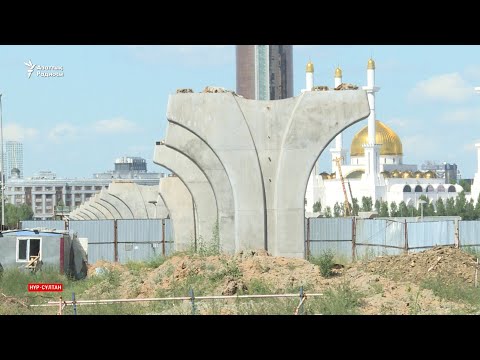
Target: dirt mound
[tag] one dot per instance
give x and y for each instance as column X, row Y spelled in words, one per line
column 444, row 262
column 388, row 285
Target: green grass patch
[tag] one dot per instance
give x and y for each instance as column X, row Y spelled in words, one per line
column 324, row 262
column 454, row 291
column 340, row 300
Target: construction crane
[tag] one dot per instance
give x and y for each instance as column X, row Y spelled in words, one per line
column 346, row 204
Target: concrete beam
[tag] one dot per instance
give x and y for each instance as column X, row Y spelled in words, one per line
column 179, row 203
column 196, row 183
column 218, row 120
column 193, row 147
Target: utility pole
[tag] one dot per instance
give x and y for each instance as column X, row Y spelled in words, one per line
column 3, row 174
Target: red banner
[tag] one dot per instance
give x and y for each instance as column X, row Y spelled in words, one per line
column 45, row 287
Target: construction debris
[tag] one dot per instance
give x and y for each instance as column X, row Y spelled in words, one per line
column 320, row 88
column 34, row 264
column 184, row 91
column 346, row 86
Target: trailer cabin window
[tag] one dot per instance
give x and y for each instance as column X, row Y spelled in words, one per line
column 26, row 248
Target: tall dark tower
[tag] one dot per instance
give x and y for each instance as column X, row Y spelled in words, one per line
column 265, row 72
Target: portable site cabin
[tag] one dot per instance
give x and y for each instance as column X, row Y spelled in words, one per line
column 54, row 248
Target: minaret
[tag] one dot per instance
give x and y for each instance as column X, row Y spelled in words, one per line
column 309, row 77
column 338, row 150
column 309, row 193
column 372, row 150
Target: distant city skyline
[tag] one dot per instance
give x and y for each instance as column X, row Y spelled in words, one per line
column 110, row 101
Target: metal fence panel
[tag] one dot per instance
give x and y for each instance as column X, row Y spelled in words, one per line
column 98, row 252
column 135, row 251
column 97, row 231
column 424, row 235
column 376, row 237
column 469, row 234
column 334, row 234
column 49, row 224
column 169, row 243
column 139, row 230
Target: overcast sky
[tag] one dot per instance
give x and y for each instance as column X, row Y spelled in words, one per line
column 111, row 101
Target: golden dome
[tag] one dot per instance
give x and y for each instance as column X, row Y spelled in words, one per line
column 310, row 66
column 371, row 64
column 391, row 144
column 338, row 72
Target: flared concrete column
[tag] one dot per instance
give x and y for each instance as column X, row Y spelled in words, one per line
column 98, row 214
column 87, row 215
column 95, row 201
column 198, row 185
column 268, row 149
column 103, row 199
column 179, row 203
column 219, row 122
column 130, row 194
column 118, row 204
column 198, row 151
column 106, row 213
column 157, row 209
column 317, row 118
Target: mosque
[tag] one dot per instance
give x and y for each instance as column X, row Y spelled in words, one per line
column 376, row 167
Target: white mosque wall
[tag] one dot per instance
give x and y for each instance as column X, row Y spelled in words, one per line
column 330, row 192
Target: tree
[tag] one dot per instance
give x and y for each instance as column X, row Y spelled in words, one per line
column 402, row 209
column 460, row 204
column 477, row 208
column 465, row 184
column 328, row 212
column 412, row 211
column 450, row 207
column 336, row 209
column 16, row 213
column 469, row 211
column 383, row 209
column 429, row 210
column 440, row 208
column 317, row 207
column 377, row 206
column 393, row 209
column 366, row 203
column 355, row 206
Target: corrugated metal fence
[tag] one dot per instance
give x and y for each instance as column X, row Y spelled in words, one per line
column 49, row 224
column 142, row 239
column 100, row 235
column 350, row 239
column 119, row 240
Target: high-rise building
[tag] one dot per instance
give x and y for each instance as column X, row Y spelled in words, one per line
column 265, row 72
column 13, row 159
